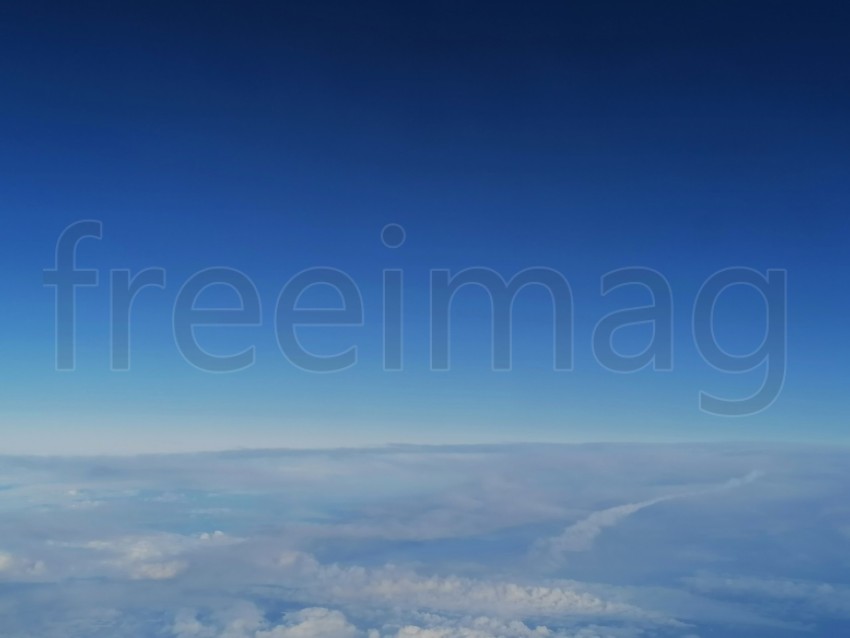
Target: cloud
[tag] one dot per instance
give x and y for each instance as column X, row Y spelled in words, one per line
column 20, row 568
column 828, row 599
column 399, row 588
column 246, row 621
column 155, row 556
column 580, row 536
column 429, row 625
column 430, row 542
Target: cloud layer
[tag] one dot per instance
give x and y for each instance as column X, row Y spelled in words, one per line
column 615, row 541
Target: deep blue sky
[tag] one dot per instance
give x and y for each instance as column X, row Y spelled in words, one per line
column 273, row 137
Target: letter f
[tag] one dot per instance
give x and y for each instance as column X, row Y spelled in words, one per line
column 66, row 278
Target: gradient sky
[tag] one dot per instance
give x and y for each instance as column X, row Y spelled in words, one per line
column 275, row 137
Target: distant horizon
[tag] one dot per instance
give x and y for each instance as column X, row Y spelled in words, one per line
column 437, row 445
column 424, row 319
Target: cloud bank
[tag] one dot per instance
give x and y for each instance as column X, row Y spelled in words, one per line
column 435, row 542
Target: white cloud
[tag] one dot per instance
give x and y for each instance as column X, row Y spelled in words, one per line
column 434, row 543
column 156, row 556
column 436, row 626
column 246, row 621
column 17, row 568
column 580, row 536
column 400, row 588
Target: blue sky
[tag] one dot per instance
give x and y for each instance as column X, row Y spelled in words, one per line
column 701, row 147
column 285, row 136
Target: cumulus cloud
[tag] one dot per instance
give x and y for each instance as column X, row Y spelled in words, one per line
column 480, row 627
column 430, row 625
column 246, row 621
column 156, row 556
column 400, row 588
